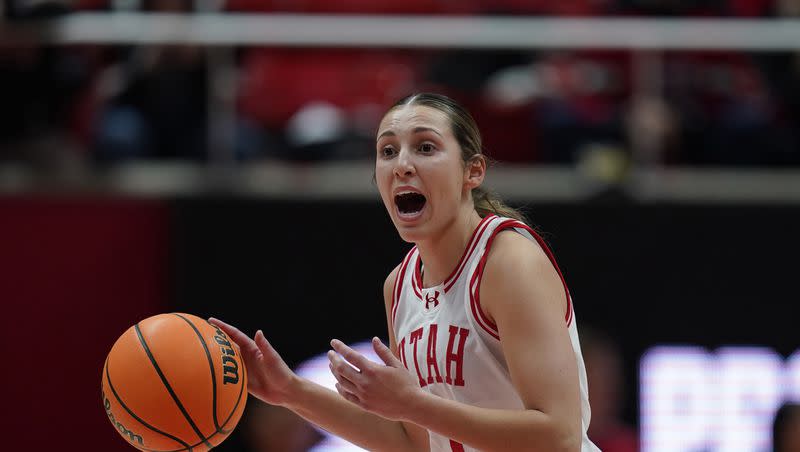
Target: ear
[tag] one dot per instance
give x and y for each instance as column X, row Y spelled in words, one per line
column 475, row 171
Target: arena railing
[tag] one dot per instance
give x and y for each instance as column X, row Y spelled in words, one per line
column 473, row 32
column 647, row 38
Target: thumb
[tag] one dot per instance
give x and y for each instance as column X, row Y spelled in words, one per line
column 385, row 354
column 264, row 346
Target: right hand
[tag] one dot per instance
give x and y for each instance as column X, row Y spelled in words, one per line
column 268, row 376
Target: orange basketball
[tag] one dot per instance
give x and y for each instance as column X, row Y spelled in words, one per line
column 174, row 382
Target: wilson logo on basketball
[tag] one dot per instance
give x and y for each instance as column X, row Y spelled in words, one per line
column 432, row 299
column 128, row 434
column 230, row 368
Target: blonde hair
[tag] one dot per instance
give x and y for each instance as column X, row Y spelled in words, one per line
column 468, row 136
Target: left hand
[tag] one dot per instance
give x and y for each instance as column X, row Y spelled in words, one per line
column 385, row 390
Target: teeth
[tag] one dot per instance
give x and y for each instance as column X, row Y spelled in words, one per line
column 407, row 193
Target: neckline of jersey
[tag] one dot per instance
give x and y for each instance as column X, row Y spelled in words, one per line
column 447, row 283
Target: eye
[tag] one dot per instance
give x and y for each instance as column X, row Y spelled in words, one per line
column 427, row 148
column 387, row 151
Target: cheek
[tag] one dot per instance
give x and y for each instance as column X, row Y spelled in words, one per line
column 448, row 185
column 383, row 179
column 453, row 176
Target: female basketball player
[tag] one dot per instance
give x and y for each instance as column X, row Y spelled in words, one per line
column 483, row 350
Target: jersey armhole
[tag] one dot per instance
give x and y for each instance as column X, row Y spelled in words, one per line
column 475, row 283
column 397, row 288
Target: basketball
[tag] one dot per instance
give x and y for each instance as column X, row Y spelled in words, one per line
column 174, row 382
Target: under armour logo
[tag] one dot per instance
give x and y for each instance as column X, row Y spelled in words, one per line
column 432, row 299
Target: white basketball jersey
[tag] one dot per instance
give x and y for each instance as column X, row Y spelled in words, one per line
column 445, row 340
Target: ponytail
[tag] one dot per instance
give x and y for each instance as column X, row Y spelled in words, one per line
column 487, row 203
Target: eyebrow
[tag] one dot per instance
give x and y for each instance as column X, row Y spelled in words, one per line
column 389, row 133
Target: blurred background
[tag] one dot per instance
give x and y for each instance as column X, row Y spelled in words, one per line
column 216, row 156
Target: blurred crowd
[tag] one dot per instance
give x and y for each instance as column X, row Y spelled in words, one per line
column 112, row 103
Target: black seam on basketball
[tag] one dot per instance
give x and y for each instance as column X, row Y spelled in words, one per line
column 239, row 400
column 161, row 450
column 211, row 367
column 140, row 420
column 190, row 447
column 167, row 385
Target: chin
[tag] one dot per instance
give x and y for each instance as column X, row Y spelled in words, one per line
column 411, row 233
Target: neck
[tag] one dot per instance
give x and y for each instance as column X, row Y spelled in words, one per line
column 441, row 253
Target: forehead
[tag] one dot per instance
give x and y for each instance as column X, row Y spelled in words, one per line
column 409, row 117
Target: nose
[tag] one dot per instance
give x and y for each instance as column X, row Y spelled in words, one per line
column 404, row 166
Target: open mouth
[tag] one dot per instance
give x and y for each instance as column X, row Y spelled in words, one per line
column 409, row 203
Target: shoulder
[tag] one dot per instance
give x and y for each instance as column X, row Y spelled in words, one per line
column 388, row 302
column 390, row 282
column 518, row 270
column 513, row 251
column 393, row 282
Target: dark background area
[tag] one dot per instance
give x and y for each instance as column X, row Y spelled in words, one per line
column 76, row 272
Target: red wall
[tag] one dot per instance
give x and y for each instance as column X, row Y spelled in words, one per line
column 74, row 274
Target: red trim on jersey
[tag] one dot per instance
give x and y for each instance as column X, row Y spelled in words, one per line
column 416, row 278
column 456, row 446
column 476, row 237
column 398, row 284
column 475, row 282
column 570, row 310
column 471, row 245
column 475, row 302
column 477, row 312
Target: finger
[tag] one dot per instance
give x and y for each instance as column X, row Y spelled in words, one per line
column 246, row 344
column 350, row 355
column 385, row 353
column 343, row 381
column 265, row 347
column 347, row 395
column 341, row 367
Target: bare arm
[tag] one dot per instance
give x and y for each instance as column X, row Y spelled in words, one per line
column 271, row 380
column 529, row 313
column 392, row 378
column 330, row 411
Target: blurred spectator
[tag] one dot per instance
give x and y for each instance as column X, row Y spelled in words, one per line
column 724, row 113
column 268, row 428
column 319, row 104
column 603, row 362
column 583, row 95
column 488, row 83
column 672, row 8
column 782, row 73
column 786, row 428
column 570, row 8
column 355, row 6
column 154, row 102
column 547, row 108
column 40, row 87
column 34, row 9
column 727, row 115
column 653, row 130
column 749, row 8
